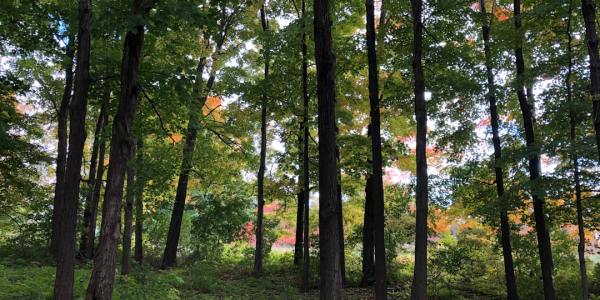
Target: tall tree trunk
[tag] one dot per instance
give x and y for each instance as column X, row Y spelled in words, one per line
column 534, row 162
column 65, row 255
column 128, row 214
column 419, row 282
column 258, row 252
column 300, row 209
column 588, row 8
column 340, row 217
column 329, row 232
column 103, row 274
column 377, row 161
column 84, row 247
column 139, row 206
column 368, row 249
column 509, row 269
column 575, row 160
column 170, row 253
column 90, row 229
column 61, row 157
column 305, row 160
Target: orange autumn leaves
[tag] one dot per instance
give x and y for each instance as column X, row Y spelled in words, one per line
column 211, row 110
column 500, row 12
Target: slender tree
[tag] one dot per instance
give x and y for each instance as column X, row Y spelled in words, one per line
column 588, row 8
column 139, row 205
column 419, row 281
column 329, row 232
column 103, row 274
column 368, row 249
column 170, row 253
column 305, row 160
column 300, row 196
column 376, row 184
column 258, row 252
column 340, row 215
column 67, row 214
column 91, row 203
column 509, row 269
column 534, row 161
column 128, row 214
column 575, row 158
column 61, row 156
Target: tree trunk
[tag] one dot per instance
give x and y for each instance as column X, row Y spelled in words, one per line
column 419, row 282
column 128, row 214
column 340, row 217
column 103, row 274
column 509, row 270
column 305, row 159
column 258, row 252
column 368, row 250
column 65, row 255
column 376, row 184
column 139, row 205
column 90, row 206
column 299, row 219
column 575, row 160
column 588, row 8
column 61, row 157
column 329, row 231
column 534, row 163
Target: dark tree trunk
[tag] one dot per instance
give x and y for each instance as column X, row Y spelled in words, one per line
column 329, row 231
column 305, row 160
column 509, row 270
column 376, row 184
column 368, row 250
column 299, row 219
column 65, row 254
column 340, row 218
column 258, row 252
column 128, row 214
column 534, row 163
column 90, row 206
column 575, row 160
column 103, row 274
column 61, row 157
column 419, row 282
column 139, row 206
column 588, row 8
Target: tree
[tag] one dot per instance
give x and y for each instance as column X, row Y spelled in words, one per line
column 376, row 181
column 509, row 269
column 67, row 212
column 103, row 274
column 588, row 9
column 419, row 281
column 128, row 213
column 534, row 161
column 139, row 205
column 258, row 251
column 330, row 269
column 305, row 159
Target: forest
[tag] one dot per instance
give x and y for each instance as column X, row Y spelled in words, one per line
column 299, row 149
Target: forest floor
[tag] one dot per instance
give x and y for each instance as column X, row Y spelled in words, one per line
column 30, row 278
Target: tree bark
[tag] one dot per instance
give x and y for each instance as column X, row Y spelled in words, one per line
column 65, row 255
column 368, row 249
column 305, row 160
column 258, row 252
column 128, row 214
column 91, row 204
column 588, row 8
column 299, row 219
column 330, row 269
column 103, row 274
column 509, row 270
column 534, row 162
column 575, row 160
column 377, row 161
column 340, row 217
column 139, row 206
column 61, row 157
column 419, row 282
